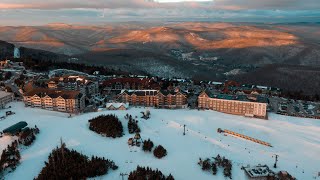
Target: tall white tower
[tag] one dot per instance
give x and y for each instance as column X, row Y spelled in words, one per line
column 16, row 52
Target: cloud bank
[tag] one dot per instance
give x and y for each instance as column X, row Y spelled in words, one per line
column 207, row 4
column 38, row 12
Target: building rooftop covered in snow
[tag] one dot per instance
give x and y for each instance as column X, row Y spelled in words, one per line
column 15, row 128
column 5, row 98
column 251, row 106
column 79, row 83
column 117, row 106
column 248, row 98
column 259, row 172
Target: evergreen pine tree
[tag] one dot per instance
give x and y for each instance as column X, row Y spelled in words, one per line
column 214, row 168
column 159, row 152
column 147, row 145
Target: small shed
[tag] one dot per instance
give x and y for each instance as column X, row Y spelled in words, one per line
column 12, row 130
column 259, row 172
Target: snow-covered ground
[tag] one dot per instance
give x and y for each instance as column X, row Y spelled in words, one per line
column 295, row 140
column 5, row 141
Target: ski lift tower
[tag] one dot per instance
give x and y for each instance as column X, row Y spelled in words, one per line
column 276, row 160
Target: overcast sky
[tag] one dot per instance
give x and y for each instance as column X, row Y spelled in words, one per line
column 39, row 12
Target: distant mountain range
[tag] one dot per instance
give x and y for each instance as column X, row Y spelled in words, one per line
column 209, row 51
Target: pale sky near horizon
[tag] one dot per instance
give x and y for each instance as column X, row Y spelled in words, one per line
column 168, row 1
column 39, row 12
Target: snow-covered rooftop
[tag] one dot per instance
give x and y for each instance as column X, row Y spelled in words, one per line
column 259, row 171
column 117, row 105
column 4, row 93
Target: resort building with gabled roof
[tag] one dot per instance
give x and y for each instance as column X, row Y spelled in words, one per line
column 56, row 100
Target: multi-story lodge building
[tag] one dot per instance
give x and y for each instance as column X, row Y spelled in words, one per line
column 75, row 83
column 252, row 106
column 56, row 100
column 127, row 83
column 5, row 98
column 118, row 84
column 154, row 98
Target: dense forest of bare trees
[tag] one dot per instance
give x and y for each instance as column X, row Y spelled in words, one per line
column 46, row 65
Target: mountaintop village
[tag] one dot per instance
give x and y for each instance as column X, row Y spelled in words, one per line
column 75, row 92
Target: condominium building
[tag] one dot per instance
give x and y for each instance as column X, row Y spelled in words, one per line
column 5, row 98
column 56, row 100
column 77, row 83
column 252, row 106
column 154, row 98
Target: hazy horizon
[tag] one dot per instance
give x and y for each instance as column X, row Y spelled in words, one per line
column 36, row 12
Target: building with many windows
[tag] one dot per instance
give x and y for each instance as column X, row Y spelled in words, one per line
column 252, row 106
column 5, row 98
column 56, row 100
column 75, row 83
column 154, row 98
column 127, row 83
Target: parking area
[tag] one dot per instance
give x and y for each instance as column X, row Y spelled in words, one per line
column 296, row 108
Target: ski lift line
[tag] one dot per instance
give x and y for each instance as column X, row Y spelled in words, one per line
column 219, row 146
column 270, row 154
column 234, row 143
column 201, row 135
